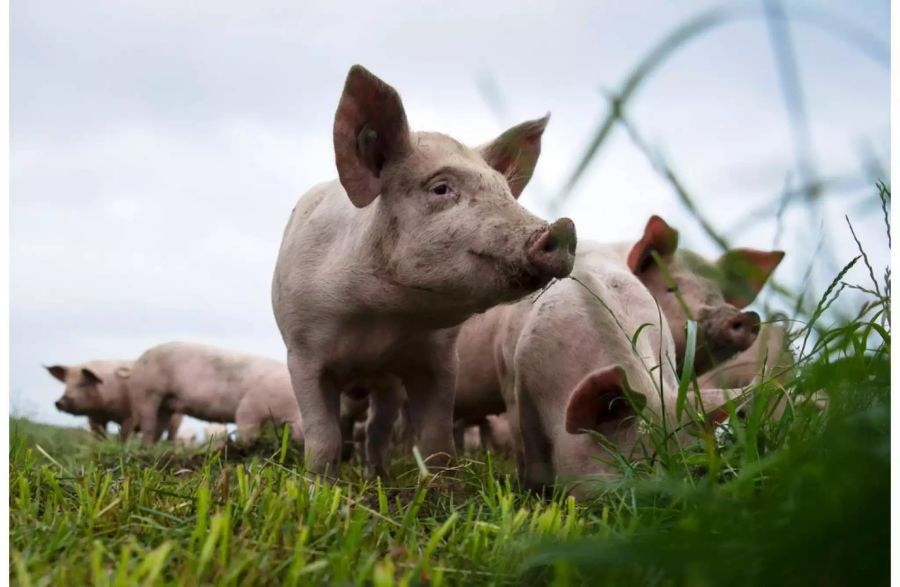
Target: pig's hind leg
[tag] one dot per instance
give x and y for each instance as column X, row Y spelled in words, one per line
column 384, row 406
column 430, row 391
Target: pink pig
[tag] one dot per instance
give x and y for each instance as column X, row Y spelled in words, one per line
column 378, row 268
column 213, row 384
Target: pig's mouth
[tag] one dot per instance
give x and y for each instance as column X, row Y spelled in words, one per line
column 516, row 277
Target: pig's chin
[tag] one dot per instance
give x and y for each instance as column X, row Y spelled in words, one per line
column 513, row 280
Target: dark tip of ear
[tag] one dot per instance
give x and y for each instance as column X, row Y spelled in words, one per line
column 357, row 69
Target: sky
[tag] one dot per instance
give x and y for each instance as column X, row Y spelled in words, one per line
column 157, row 148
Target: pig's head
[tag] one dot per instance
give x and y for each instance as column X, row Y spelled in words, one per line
column 446, row 219
column 713, row 293
column 82, row 394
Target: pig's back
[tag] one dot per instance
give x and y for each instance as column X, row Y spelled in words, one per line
column 204, row 381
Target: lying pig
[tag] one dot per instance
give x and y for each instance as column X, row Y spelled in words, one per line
column 99, row 390
column 212, row 384
column 578, row 370
column 712, row 293
column 378, row 268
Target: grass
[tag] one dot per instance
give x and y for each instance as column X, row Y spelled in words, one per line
column 797, row 500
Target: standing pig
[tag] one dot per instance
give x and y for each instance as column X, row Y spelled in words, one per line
column 99, row 390
column 212, row 384
column 377, row 269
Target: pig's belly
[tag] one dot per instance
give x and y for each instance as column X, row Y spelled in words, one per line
column 209, row 406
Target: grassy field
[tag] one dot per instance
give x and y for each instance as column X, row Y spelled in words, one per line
column 800, row 500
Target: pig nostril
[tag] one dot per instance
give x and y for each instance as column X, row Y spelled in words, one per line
column 549, row 245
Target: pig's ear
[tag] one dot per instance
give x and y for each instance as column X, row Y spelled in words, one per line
column 744, row 272
column 659, row 237
column 57, row 371
column 90, row 377
column 123, row 372
column 515, row 152
column 600, row 398
column 370, row 129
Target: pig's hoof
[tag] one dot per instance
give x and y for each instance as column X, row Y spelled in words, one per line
column 374, row 472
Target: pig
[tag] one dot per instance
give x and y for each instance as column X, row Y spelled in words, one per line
column 577, row 369
column 687, row 286
column 213, row 384
column 99, row 390
column 769, row 357
column 713, row 293
column 378, row 268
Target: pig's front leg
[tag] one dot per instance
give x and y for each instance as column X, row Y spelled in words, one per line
column 126, row 428
column 98, row 427
column 320, row 413
column 430, row 390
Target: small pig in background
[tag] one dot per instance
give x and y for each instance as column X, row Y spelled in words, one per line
column 377, row 269
column 213, row 384
column 712, row 293
column 99, row 390
column 216, row 435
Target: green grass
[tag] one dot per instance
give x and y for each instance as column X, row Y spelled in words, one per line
column 801, row 500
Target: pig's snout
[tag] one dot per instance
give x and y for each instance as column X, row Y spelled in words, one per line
column 60, row 404
column 742, row 329
column 552, row 252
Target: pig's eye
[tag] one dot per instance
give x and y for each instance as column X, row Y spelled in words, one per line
column 672, row 289
column 441, row 189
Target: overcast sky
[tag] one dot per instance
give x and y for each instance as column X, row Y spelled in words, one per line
column 157, row 148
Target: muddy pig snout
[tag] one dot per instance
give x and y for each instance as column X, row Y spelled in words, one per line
column 60, row 404
column 552, row 252
column 742, row 329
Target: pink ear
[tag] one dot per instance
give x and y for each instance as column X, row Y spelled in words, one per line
column 600, row 398
column 57, row 371
column 745, row 272
column 659, row 237
column 515, row 152
column 370, row 129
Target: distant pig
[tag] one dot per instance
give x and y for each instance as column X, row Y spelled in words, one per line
column 713, row 293
column 212, row 384
column 99, row 390
column 378, row 268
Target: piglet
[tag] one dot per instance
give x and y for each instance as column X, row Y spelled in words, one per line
column 378, row 268
column 99, row 390
column 713, row 293
column 213, row 384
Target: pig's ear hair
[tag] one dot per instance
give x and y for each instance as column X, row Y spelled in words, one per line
column 370, row 129
column 601, row 397
column 123, row 372
column 515, row 153
column 57, row 371
column 90, row 377
column 659, row 237
column 744, row 272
